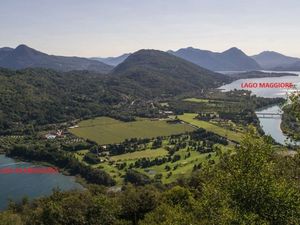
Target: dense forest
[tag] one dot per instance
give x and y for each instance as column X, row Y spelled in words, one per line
column 253, row 185
column 39, row 97
column 291, row 118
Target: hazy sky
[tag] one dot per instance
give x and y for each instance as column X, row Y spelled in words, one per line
column 113, row 27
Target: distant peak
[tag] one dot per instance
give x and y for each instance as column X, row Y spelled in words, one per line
column 147, row 51
column 22, row 46
column 189, row 49
column 270, row 53
column 24, row 49
column 234, row 50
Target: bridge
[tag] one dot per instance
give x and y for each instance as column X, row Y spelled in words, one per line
column 268, row 115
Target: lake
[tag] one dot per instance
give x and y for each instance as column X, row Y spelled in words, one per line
column 15, row 186
column 270, row 126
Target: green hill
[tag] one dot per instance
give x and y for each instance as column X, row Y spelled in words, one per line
column 159, row 73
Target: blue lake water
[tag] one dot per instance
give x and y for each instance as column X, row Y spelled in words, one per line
column 16, row 186
column 270, row 126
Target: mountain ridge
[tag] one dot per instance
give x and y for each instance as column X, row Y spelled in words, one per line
column 232, row 59
column 274, row 60
column 161, row 73
column 25, row 57
column 113, row 61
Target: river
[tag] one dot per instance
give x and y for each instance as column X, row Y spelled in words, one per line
column 271, row 126
column 16, row 186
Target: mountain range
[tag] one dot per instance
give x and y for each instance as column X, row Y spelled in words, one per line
column 275, row 61
column 26, row 57
column 113, row 61
column 160, row 73
column 232, row 59
column 43, row 96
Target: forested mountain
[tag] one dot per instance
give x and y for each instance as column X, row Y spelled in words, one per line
column 160, row 73
column 231, row 60
column 25, row 57
column 272, row 60
column 42, row 96
column 4, row 52
column 113, row 61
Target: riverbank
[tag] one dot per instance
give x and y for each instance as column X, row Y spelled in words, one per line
column 260, row 74
column 78, row 179
column 272, row 126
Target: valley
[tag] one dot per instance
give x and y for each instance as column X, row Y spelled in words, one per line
column 149, row 112
column 155, row 120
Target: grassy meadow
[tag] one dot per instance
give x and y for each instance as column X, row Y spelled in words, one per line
column 197, row 100
column 105, row 130
column 148, row 153
column 231, row 135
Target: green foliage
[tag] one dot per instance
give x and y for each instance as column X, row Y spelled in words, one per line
column 251, row 185
column 40, row 97
column 291, row 117
column 136, row 178
column 179, row 196
column 169, row 215
column 91, row 158
column 102, row 211
column 136, row 202
column 61, row 159
column 158, row 73
column 10, row 218
column 247, row 186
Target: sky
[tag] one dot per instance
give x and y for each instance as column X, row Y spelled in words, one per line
column 113, row 27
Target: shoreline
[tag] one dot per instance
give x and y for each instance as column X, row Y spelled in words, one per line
column 77, row 178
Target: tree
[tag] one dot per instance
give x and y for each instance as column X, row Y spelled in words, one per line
column 136, row 202
column 136, row 178
column 10, row 218
column 169, row 215
column 103, row 211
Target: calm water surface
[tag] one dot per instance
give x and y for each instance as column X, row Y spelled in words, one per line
column 270, row 126
column 15, row 186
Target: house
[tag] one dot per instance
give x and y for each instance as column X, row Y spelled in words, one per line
column 50, row 136
column 168, row 112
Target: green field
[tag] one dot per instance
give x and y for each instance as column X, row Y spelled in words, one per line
column 231, row 135
column 198, row 100
column 105, row 130
column 148, row 153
